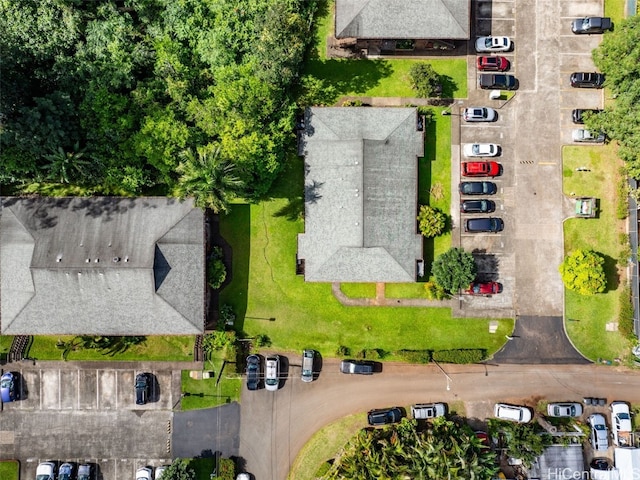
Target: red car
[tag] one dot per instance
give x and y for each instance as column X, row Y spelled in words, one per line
column 480, row 169
column 493, row 64
column 484, row 288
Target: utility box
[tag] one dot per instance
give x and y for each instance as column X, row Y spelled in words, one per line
column 495, row 94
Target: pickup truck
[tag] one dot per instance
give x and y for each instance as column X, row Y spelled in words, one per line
column 489, row 81
column 589, row 25
column 621, row 424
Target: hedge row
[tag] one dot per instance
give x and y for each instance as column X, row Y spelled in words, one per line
column 473, row 355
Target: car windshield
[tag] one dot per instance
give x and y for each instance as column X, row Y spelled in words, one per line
column 623, row 416
column 585, row 23
column 599, row 427
column 6, row 383
column 42, row 477
column 488, row 41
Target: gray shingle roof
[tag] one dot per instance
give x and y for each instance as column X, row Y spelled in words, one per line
column 559, row 462
column 101, row 266
column 397, row 19
column 360, row 194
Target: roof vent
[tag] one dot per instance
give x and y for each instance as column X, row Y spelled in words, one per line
column 126, row 259
column 87, row 260
column 116, row 259
column 96, row 260
column 59, row 258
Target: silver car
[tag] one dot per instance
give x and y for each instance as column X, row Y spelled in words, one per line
column 564, row 409
column 479, row 114
column 272, row 373
column 481, row 150
column 493, row 44
column 599, row 435
column 513, row 413
column 587, row 136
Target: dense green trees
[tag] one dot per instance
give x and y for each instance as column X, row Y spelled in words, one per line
column 108, row 94
column 618, row 57
column 431, row 221
column 454, row 269
column 583, row 272
column 444, row 449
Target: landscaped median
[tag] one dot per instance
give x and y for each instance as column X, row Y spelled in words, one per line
column 9, row 470
column 596, row 172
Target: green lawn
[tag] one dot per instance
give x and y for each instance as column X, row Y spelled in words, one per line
column 204, row 393
column 9, row 470
column 359, row 290
column 586, row 316
column 325, row 445
column 306, row 315
column 154, row 348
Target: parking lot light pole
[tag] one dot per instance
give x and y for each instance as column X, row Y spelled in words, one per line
column 449, row 379
column 447, row 111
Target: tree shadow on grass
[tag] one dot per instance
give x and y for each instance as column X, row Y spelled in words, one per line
column 611, row 272
column 449, row 87
column 348, row 76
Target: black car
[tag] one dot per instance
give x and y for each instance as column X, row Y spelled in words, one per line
column 142, row 388
column 578, row 114
column 253, row 372
column 587, row 80
column 500, row 81
column 601, row 464
column 358, row 367
column 478, row 188
column 486, row 224
column 477, row 206
column 590, row 25
column 384, row 416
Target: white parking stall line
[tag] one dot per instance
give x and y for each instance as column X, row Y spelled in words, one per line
column 40, row 377
column 78, row 395
column 59, row 390
column 97, row 389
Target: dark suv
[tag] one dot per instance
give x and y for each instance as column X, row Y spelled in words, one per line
column 587, row 80
column 142, row 388
column 253, row 372
column 487, row 224
column 384, row 416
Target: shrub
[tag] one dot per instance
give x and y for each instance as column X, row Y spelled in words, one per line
column 216, row 271
column 625, row 317
column 352, row 103
column 583, row 272
column 622, row 205
column 263, row 340
column 343, row 351
column 371, row 353
column 226, row 469
column 424, row 80
column 435, row 291
column 431, row 221
column 472, row 355
column 428, row 114
column 227, row 316
column 415, row 356
column 625, row 251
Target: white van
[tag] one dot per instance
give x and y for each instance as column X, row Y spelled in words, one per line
column 513, row 413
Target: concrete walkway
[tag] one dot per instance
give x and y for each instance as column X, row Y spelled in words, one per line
column 381, row 300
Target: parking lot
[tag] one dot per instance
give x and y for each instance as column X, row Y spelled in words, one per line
column 88, row 416
column 532, row 127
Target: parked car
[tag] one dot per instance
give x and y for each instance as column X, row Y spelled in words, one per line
column 243, row 476
column 85, row 472
column 587, row 80
column 160, row 471
column 591, row 25
column 514, row 413
column 577, row 115
column 272, row 373
column 477, row 206
column 477, row 188
column 8, row 387
column 358, row 367
column 564, row 409
column 479, row 114
column 601, row 464
column 425, row 411
column 493, row 44
column 45, row 471
column 490, row 81
column 583, row 135
column 308, row 357
column 480, row 169
column 485, row 224
column 599, row 436
column 142, row 388
column 484, row 288
column 65, row 472
column 492, row 64
column 481, row 149
column 144, row 473
column 621, row 424
column 253, row 372
column 384, row 416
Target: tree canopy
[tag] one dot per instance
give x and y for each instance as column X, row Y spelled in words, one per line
column 108, row 94
column 618, row 57
column 583, row 271
column 444, row 449
column 431, row 221
column 454, row 269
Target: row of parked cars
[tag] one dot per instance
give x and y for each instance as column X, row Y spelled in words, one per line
column 421, row 411
column 66, row 471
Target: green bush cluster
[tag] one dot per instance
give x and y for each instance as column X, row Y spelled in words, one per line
column 415, row 356
column 460, row 355
column 434, row 291
column 352, row 103
column 371, row 353
column 622, row 205
column 625, row 317
column 343, row 351
column 226, row 469
column 216, row 271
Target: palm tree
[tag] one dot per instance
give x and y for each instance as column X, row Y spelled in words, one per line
column 208, row 179
column 65, row 167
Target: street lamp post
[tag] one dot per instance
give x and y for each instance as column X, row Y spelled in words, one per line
column 449, row 379
column 447, row 111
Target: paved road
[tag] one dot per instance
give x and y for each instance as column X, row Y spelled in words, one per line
column 274, row 426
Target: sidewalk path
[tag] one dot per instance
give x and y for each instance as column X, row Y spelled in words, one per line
column 382, row 301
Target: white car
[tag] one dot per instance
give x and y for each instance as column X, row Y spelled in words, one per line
column 481, row 149
column 272, row 373
column 621, row 424
column 564, row 409
column 493, row 44
column 45, row 471
column 587, row 136
column 144, row 473
column 599, row 435
column 159, row 471
column 243, row 476
column 479, row 114
column 513, row 413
